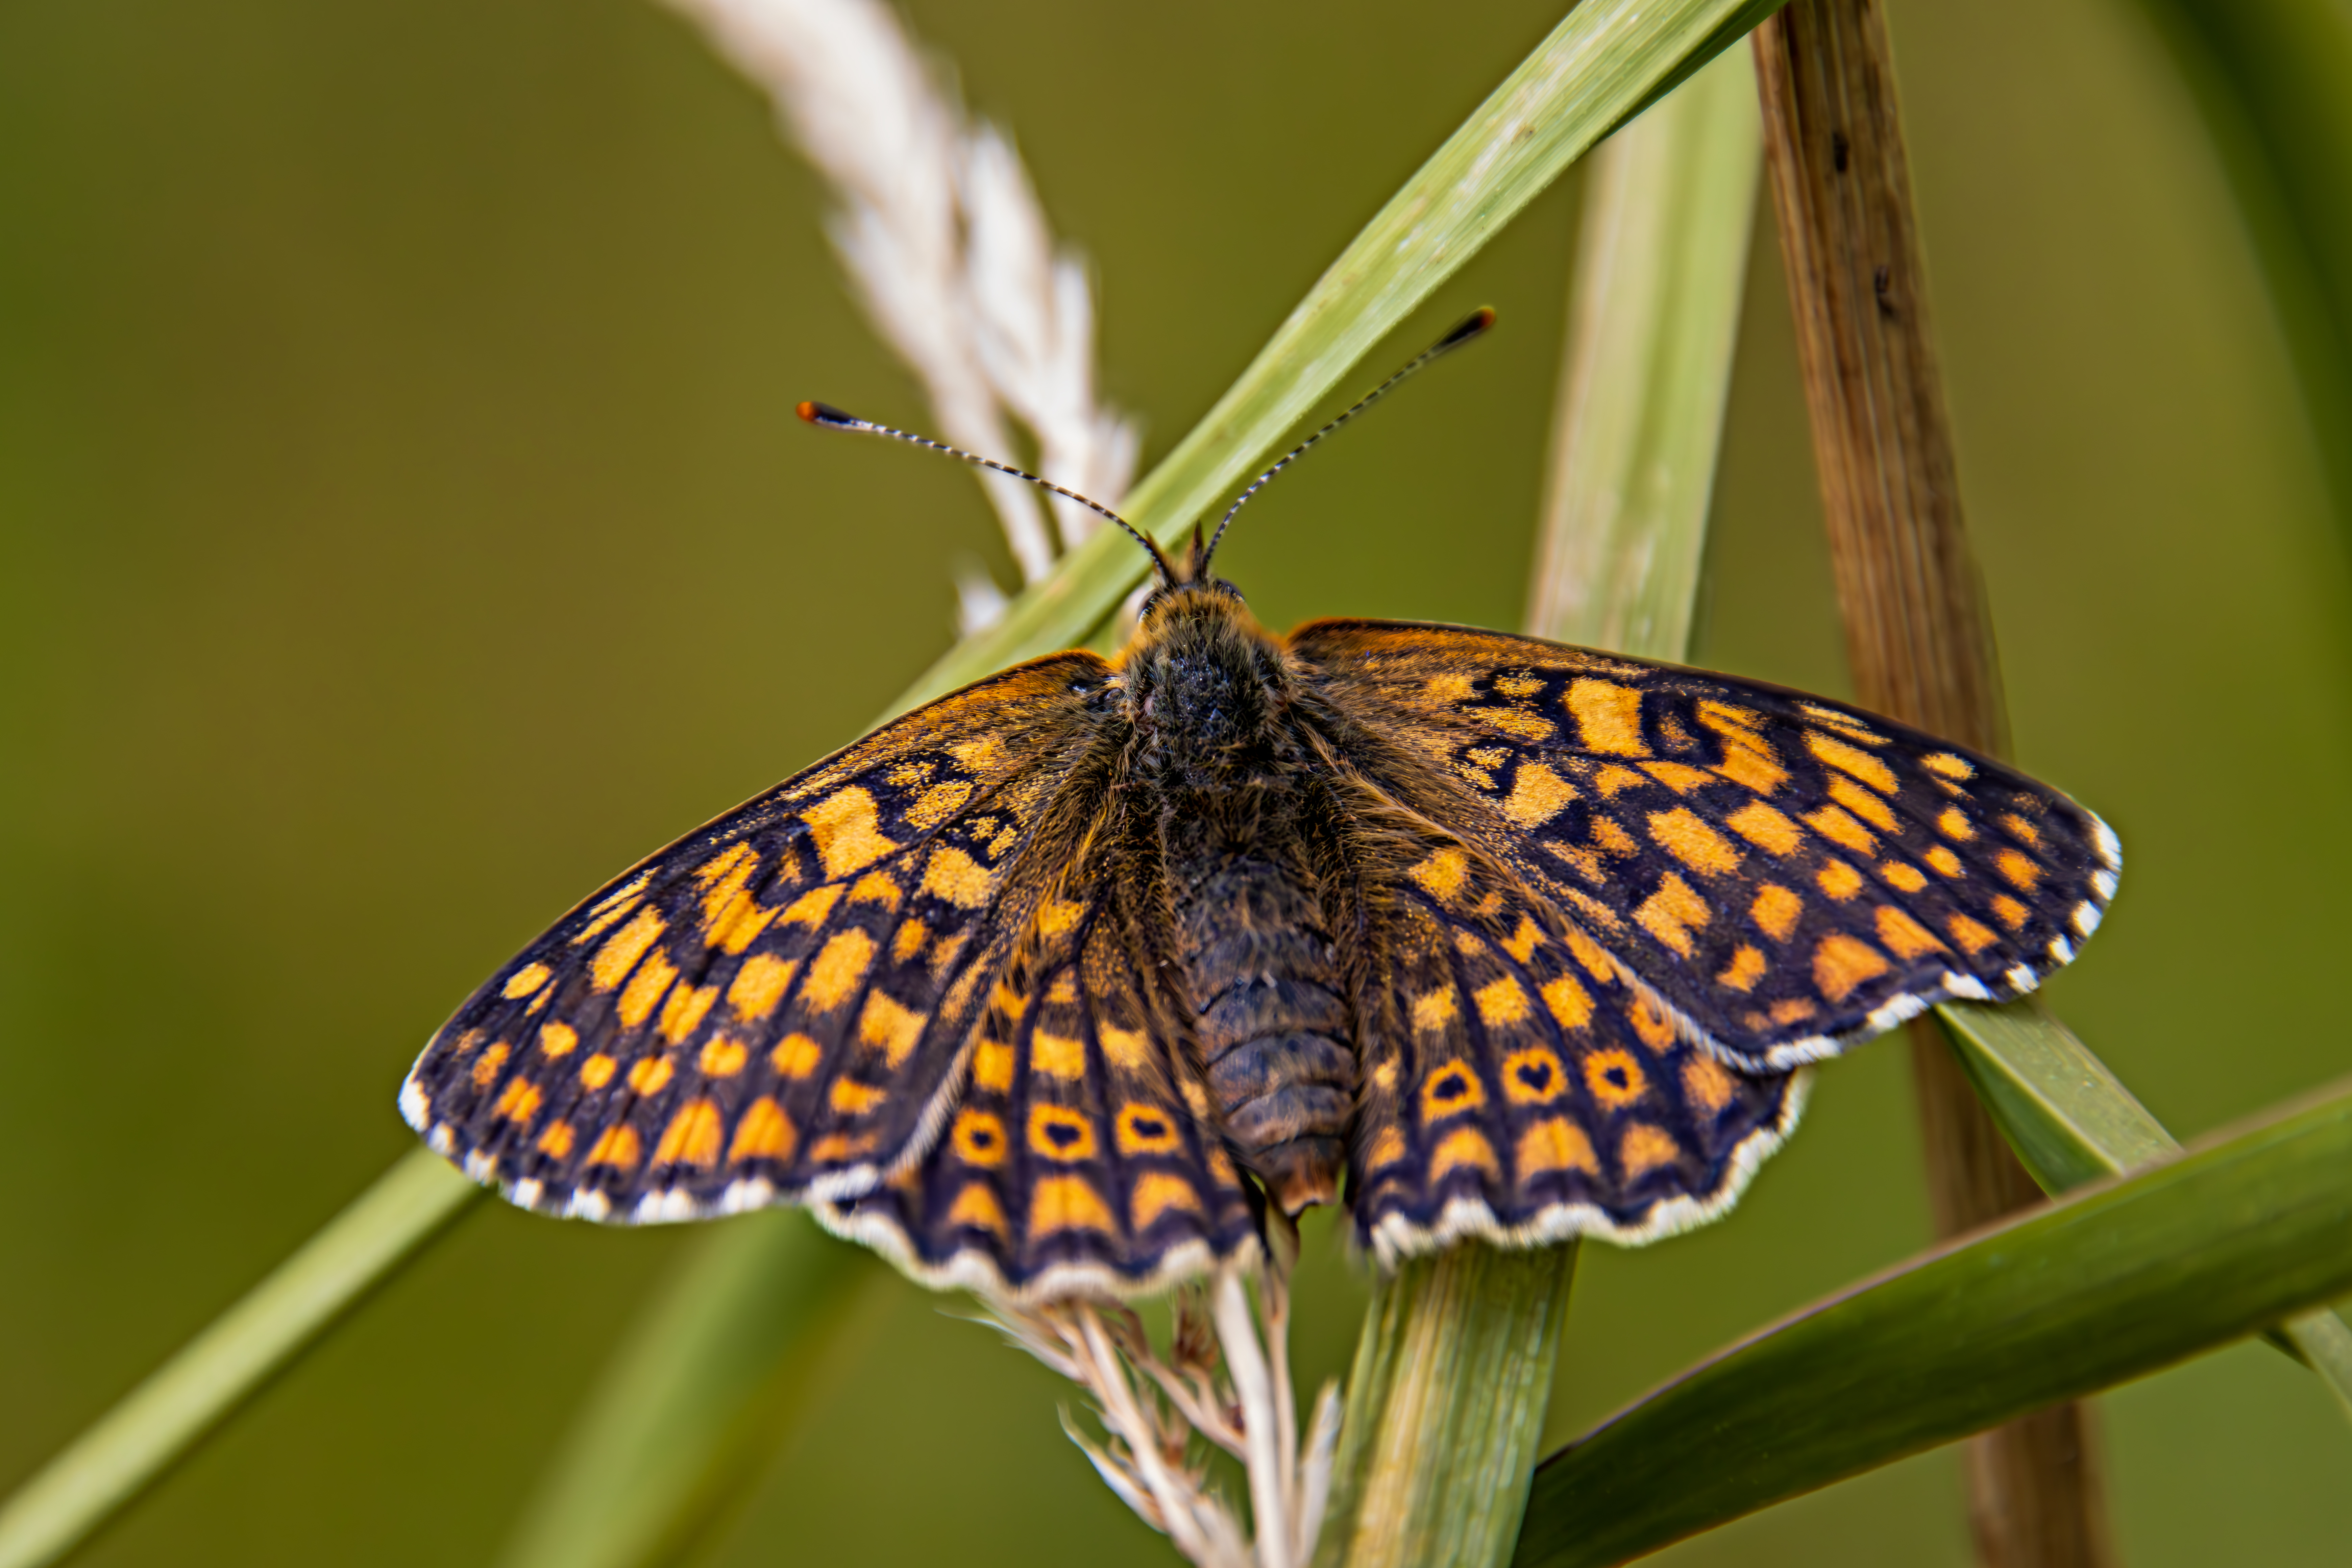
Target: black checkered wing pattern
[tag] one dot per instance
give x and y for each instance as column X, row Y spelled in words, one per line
column 1785, row 875
column 780, row 1005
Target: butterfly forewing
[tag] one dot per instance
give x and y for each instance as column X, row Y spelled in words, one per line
column 1786, row 874
column 1082, row 1154
column 777, row 1005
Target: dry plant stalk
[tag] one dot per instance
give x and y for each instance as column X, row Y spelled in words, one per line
column 949, row 251
column 1225, row 1378
column 1918, row 638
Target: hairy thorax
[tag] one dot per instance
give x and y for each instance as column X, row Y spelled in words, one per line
column 1244, row 828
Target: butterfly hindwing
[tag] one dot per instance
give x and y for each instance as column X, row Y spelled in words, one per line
column 1788, row 874
column 1083, row 1153
column 1517, row 1085
column 777, row 1005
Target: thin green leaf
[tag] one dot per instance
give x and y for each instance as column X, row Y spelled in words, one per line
column 1454, row 1366
column 696, row 1395
column 2071, row 1122
column 2109, row 1285
column 218, row 1370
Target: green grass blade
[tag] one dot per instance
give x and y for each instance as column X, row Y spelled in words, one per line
column 1600, row 65
column 218, row 1370
column 2071, row 1122
column 696, row 1397
column 2106, row 1285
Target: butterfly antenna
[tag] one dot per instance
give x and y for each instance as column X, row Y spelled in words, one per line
column 827, row 416
column 1474, row 326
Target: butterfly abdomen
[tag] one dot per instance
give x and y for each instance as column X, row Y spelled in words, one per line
column 1236, row 802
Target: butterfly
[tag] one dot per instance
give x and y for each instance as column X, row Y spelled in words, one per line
column 1057, row 984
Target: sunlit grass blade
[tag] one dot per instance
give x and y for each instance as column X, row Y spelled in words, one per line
column 215, row 1372
column 2071, row 1122
column 1453, row 1367
column 2106, row 1285
column 695, row 1396
column 1605, row 61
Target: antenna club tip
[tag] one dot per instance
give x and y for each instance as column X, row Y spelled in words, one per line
column 825, row 413
column 1477, row 321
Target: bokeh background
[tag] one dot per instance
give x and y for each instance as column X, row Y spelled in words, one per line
column 403, row 525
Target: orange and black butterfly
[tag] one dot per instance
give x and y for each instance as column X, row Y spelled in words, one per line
column 1052, row 985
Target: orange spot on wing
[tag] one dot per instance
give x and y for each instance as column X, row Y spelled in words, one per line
column 2024, row 831
column 644, row 989
column 1142, row 1129
column 597, row 1071
column 1524, row 941
column 1775, row 911
column 936, row 804
column 1679, row 777
column 520, row 1103
column 1450, row 1091
column 834, row 976
column 812, row 906
column 796, row 1056
column 1569, row 1003
column 1157, row 1193
column 956, row 878
column 991, row 1067
column 1128, row 1050
column 1861, row 802
column 875, row 888
column 1537, row 794
column 1953, row 826
column 1835, row 824
column 1644, row 1147
column 764, row 1134
column 1614, row 1078
column 1066, row 1203
column 894, row 1028
column 1706, row 1085
column 978, row 1139
column 1848, row 759
column 692, row 1137
column 623, row 949
column 616, row 1147
column 650, row 1075
column 683, row 1012
column 1944, row 861
column 1974, row 936
column 1443, row 874
column 845, row 825
column 1608, row 717
column 1907, row 878
column 2012, row 913
column 1838, row 879
column 1651, row 1023
column 1057, row 1133
column 558, row 1040
column 526, row 980
column 1464, row 1146
column 1614, row 781
column 1841, row 962
column 1556, row 1144
column 556, row 1142
column 1690, row 840
column 758, row 985
column 1905, row 937
column 1503, row 1001
column 1950, row 766
column 1592, row 955
column 1765, row 828
column 723, row 1058
column 976, row 1209
column 2017, row 870
column 487, row 1066
column 1387, row 1149
column 1433, row 1011
column 854, row 1099
column 1746, row 968
column 1672, row 912
column 1533, row 1077
column 1057, row 1056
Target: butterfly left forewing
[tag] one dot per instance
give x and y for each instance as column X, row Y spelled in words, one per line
column 775, row 1005
column 1082, row 1155
column 1787, row 874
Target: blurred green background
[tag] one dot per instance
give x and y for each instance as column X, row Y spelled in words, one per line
column 404, row 526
